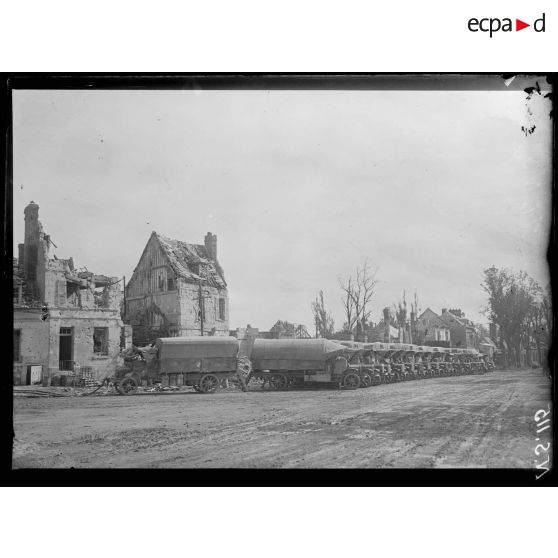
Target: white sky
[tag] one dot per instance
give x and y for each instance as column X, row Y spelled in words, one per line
column 299, row 186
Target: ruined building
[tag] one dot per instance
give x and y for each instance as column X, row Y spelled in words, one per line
column 177, row 289
column 66, row 321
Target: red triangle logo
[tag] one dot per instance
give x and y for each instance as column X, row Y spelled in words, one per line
column 519, row 25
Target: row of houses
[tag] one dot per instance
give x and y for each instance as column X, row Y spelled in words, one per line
column 70, row 320
column 450, row 328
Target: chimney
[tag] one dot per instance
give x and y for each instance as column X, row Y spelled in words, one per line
column 31, row 213
column 444, row 310
column 211, row 245
column 32, row 240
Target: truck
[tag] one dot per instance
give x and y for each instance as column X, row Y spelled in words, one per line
column 297, row 362
column 200, row 362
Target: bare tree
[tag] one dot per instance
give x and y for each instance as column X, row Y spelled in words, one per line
column 358, row 292
column 415, row 312
column 322, row 318
column 400, row 313
column 348, row 304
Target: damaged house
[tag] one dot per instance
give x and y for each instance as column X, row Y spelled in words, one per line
column 177, row 289
column 66, row 321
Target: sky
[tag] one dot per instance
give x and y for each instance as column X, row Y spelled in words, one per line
column 300, row 187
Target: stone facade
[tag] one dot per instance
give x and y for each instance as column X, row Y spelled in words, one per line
column 66, row 321
column 177, row 289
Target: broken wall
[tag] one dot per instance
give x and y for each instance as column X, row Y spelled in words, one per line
column 40, row 341
column 83, row 324
column 34, row 342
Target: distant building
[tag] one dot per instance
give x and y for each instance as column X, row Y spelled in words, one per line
column 177, row 289
column 487, row 347
column 432, row 330
column 287, row 330
column 284, row 330
column 65, row 320
column 462, row 330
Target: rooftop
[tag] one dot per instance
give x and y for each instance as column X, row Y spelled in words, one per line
column 191, row 261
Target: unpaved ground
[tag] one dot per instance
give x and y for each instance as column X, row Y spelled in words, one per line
column 469, row 421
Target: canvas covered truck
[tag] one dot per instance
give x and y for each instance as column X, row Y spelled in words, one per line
column 200, row 362
column 204, row 362
column 297, row 362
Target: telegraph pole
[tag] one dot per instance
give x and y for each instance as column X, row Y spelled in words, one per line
column 200, row 296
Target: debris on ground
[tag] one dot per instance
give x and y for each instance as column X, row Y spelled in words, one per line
column 99, row 390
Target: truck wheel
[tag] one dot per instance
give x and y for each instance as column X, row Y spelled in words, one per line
column 127, row 386
column 209, row 383
column 365, row 380
column 351, row 381
column 278, row 382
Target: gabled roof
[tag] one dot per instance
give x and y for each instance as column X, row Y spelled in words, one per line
column 460, row 321
column 436, row 319
column 185, row 260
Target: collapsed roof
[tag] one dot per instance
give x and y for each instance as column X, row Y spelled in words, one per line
column 191, row 262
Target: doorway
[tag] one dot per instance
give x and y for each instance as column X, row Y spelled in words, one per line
column 66, row 349
column 34, row 374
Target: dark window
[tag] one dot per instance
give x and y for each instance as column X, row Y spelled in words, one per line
column 100, row 340
column 221, row 308
column 170, row 284
column 161, row 284
column 17, row 345
column 65, row 331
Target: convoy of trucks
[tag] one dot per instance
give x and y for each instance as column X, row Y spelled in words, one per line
column 205, row 363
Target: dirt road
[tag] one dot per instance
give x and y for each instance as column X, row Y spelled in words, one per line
column 468, row 421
